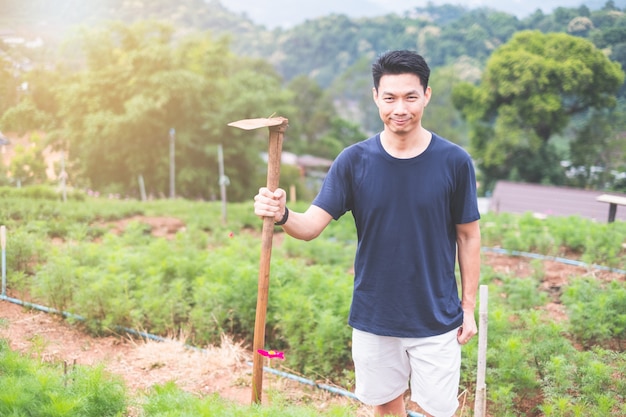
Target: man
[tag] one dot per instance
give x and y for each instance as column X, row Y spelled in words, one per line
column 413, row 198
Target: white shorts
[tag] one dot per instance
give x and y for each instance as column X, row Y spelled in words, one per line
column 384, row 366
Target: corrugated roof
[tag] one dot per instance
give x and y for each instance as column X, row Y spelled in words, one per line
column 512, row 197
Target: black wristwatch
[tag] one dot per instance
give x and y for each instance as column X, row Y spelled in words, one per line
column 284, row 219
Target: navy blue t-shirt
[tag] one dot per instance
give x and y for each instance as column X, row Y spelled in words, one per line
column 405, row 212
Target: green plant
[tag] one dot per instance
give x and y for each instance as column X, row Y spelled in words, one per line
column 583, row 383
column 169, row 401
column 202, row 281
column 29, row 388
column 597, row 311
column 523, row 293
column 309, row 317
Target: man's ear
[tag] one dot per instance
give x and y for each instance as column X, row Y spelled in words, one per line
column 427, row 95
column 375, row 95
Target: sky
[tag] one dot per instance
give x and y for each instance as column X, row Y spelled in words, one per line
column 287, row 13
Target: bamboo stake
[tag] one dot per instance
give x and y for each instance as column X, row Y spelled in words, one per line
column 3, row 243
column 277, row 127
column 480, row 401
column 223, row 181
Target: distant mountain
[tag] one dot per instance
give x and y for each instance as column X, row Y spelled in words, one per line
column 288, row 13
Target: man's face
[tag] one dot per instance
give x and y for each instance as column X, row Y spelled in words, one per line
column 401, row 100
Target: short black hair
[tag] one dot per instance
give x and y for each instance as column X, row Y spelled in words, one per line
column 400, row 62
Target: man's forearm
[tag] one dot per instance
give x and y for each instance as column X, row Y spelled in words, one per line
column 307, row 225
column 468, row 245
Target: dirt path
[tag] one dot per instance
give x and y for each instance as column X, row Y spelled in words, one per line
column 224, row 370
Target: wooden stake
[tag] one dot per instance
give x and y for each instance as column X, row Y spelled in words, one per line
column 480, row 400
column 292, row 194
column 223, row 181
column 3, row 244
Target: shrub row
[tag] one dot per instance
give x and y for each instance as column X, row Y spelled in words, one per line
column 204, row 281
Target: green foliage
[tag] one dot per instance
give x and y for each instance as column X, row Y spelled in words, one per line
column 170, row 401
column 111, row 94
column 583, row 383
column 529, row 358
column 441, row 117
column 328, row 251
column 313, row 108
column 597, row 311
column 224, row 298
column 139, row 82
column 134, row 91
column 592, row 242
column 202, row 281
column 118, row 89
column 39, row 192
column 309, row 316
column 606, row 150
column 27, row 165
column 32, row 388
column 25, row 250
column 28, row 388
column 22, row 118
column 523, row 293
column 529, row 90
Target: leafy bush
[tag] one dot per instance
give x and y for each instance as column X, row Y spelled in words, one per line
column 309, row 317
column 25, row 250
column 523, row 293
column 592, row 242
column 584, row 383
column 28, row 388
column 597, row 312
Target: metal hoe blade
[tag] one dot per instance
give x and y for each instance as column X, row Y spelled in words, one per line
column 251, row 124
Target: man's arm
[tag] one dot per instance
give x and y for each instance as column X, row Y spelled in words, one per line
column 303, row 226
column 468, row 244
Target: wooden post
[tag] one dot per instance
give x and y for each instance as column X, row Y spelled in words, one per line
column 63, row 178
column 223, row 180
column 292, row 194
column 3, row 244
column 172, row 163
column 480, row 401
column 142, row 187
column 612, row 212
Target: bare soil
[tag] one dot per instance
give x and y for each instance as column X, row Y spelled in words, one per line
column 224, row 370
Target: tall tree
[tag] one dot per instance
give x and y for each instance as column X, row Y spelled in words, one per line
column 9, row 81
column 312, row 113
column 116, row 114
column 531, row 87
column 27, row 165
column 597, row 153
column 441, row 116
column 132, row 85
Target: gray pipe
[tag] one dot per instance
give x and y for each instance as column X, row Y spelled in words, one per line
column 552, row 258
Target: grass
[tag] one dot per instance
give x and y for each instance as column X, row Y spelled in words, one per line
column 32, row 387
